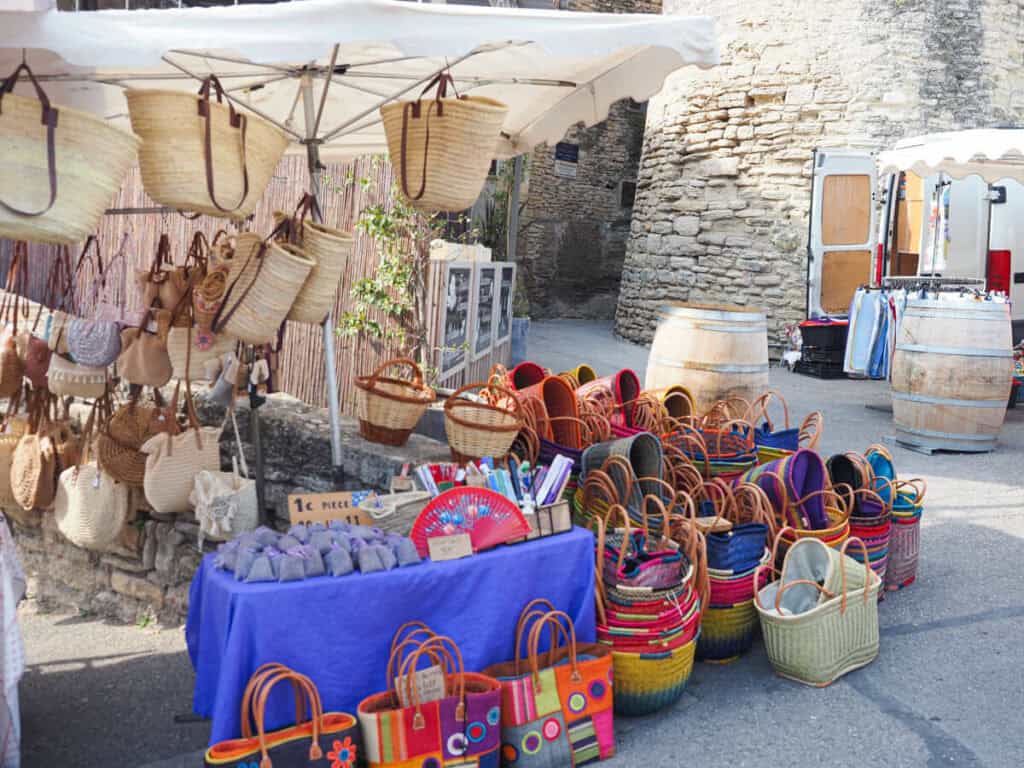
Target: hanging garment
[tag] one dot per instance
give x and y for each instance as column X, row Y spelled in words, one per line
column 12, row 667
column 863, row 330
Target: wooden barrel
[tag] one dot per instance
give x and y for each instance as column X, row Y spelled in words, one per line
column 951, row 374
column 713, row 351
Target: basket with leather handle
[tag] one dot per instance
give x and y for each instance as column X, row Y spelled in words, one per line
column 265, row 278
column 37, row 351
column 12, row 430
column 329, row 249
column 34, row 463
column 56, row 180
column 163, row 285
column 442, row 147
column 122, row 435
column 12, row 367
column 200, row 154
column 94, row 342
column 90, row 507
column 480, row 427
column 389, row 408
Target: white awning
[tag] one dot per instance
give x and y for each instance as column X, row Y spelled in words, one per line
column 991, row 153
column 553, row 68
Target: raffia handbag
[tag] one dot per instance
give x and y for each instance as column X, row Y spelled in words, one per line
column 122, row 434
column 69, row 379
column 12, row 367
column 162, row 284
column 389, row 409
column 188, row 360
column 442, row 148
column 55, row 190
column 34, row 463
column 329, row 249
column 225, row 502
column 144, row 359
column 201, row 155
column 264, row 281
column 173, row 461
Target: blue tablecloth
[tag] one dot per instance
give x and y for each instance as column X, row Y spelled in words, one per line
column 338, row 630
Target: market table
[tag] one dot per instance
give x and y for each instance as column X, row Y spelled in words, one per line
column 339, row 630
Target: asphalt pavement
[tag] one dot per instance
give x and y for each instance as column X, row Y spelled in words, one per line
column 946, row 690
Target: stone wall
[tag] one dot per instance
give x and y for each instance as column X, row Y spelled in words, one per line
column 146, row 575
column 724, row 183
column 573, row 232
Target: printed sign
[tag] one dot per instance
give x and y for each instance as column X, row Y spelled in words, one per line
column 323, row 507
column 458, row 282
column 567, row 158
column 450, row 547
column 483, row 309
column 503, row 305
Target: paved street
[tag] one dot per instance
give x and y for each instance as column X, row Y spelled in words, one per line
column 947, row 690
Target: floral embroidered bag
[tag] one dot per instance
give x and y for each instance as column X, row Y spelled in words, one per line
column 318, row 739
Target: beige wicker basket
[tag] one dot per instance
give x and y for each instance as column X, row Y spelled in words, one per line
column 330, row 249
column 388, row 409
column 191, row 364
column 477, row 429
column 442, row 148
column 262, row 288
column 90, row 157
column 173, row 155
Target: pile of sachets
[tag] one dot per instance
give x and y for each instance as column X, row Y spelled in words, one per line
column 315, row 549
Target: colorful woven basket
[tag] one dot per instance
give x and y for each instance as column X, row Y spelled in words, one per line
column 649, row 682
column 727, row 633
column 905, row 541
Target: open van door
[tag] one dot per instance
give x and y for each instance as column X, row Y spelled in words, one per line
column 842, row 229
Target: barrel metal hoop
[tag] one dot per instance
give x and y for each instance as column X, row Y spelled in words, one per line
column 960, row 351
column 928, row 399
column 711, row 326
column 946, row 435
column 710, row 367
column 933, row 315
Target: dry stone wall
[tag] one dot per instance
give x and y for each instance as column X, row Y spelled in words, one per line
column 724, row 184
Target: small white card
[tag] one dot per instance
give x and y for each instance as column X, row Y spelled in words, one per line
column 429, row 684
column 450, row 547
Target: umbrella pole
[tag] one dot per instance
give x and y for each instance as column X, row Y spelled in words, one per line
column 315, row 179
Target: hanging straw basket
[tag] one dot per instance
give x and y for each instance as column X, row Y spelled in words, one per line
column 329, row 249
column 389, row 409
column 180, row 145
column 191, row 363
column 478, row 428
column 442, row 148
column 89, row 161
column 264, row 281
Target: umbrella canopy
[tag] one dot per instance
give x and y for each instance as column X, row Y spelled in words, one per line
column 552, row 68
column 991, row 153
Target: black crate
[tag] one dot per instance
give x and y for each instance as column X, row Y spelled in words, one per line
column 828, row 336
column 819, row 370
column 827, row 355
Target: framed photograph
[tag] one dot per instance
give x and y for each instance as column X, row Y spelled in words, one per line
column 485, row 279
column 503, row 305
column 456, row 318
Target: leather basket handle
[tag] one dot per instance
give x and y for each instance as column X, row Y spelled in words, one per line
column 236, row 120
column 49, row 119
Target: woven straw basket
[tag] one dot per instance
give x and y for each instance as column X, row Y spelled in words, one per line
column 91, row 507
column 478, row 429
column 838, row 635
column 647, row 682
column 91, row 160
column 329, row 249
column 172, row 157
column 261, row 296
column 172, row 463
column 69, row 379
column 727, row 633
column 452, row 166
column 8, row 444
column 388, row 409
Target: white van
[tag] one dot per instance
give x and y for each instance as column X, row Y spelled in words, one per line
column 931, row 226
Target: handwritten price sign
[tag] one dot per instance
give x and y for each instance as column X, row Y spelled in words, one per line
column 324, row 507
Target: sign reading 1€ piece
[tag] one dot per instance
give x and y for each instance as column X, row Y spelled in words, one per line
column 324, row 507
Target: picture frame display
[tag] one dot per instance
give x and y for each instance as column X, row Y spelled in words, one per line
column 456, row 322
column 484, row 296
column 506, row 286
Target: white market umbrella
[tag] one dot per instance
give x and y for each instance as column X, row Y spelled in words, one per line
column 320, row 69
column 991, row 153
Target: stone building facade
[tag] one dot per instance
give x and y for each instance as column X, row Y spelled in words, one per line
column 573, row 231
column 723, row 193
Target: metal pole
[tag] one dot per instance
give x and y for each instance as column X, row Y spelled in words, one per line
column 512, row 239
column 315, row 180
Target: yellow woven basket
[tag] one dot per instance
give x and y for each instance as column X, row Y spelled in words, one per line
column 173, row 154
column 446, row 171
column 91, row 159
column 648, row 682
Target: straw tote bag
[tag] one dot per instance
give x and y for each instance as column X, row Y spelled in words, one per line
column 12, row 367
column 122, row 434
column 91, row 507
column 225, row 502
column 265, row 279
column 329, row 249
column 442, row 148
column 34, row 463
column 57, row 175
column 173, row 461
column 201, row 155
column 94, row 343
